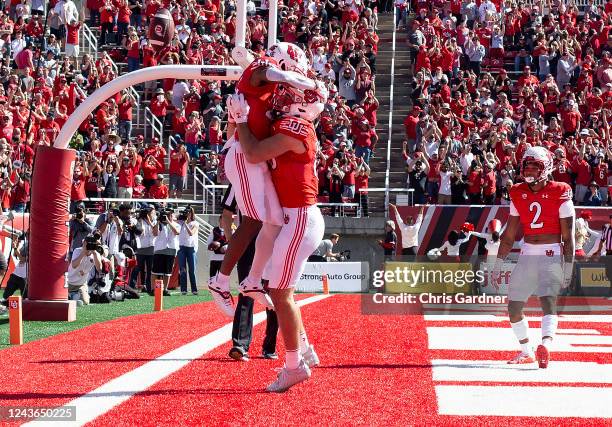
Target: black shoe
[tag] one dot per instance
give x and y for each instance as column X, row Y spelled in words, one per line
column 166, row 293
column 194, row 293
column 270, row 356
column 239, row 353
column 151, row 293
column 183, row 292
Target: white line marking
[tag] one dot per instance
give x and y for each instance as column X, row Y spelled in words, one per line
column 583, row 402
column 500, row 371
column 101, row 400
column 595, row 318
column 502, row 339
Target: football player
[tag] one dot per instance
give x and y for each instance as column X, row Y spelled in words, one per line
column 545, row 210
column 292, row 151
column 255, row 195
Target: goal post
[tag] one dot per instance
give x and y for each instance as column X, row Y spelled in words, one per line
column 51, row 187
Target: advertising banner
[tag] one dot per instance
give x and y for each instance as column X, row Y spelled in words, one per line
column 341, row 276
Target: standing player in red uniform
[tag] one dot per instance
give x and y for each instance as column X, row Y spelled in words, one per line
column 255, row 195
column 546, row 212
column 292, row 149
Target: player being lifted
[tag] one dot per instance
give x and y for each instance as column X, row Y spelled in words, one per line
column 254, row 192
column 546, row 212
column 292, row 152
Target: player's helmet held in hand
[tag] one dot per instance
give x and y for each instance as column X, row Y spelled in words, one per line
column 542, row 158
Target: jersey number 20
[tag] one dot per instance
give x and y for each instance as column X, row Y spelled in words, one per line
column 538, row 211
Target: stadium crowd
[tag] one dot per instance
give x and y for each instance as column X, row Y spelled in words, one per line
column 45, row 77
column 493, row 78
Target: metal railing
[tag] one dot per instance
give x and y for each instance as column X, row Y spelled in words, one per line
column 408, row 193
column 390, row 124
column 204, row 230
column 88, row 42
column 209, row 191
column 152, row 122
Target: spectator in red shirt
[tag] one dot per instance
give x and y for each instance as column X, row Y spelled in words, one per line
column 159, row 105
column 126, row 174
column 179, row 161
column 474, row 182
column 159, row 190
column 489, row 182
column 150, row 169
column 583, row 176
column 77, row 190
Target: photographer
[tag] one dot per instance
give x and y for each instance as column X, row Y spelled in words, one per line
column 80, row 226
column 145, row 247
column 129, row 237
column 217, row 244
column 188, row 247
column 111, row 228
column 100, row 284
column 166, row 233
column 83, row 260
column 325, row 250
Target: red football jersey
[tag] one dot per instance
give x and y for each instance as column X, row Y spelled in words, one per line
column 294, row 174
column 539, row 212
column 258, row 98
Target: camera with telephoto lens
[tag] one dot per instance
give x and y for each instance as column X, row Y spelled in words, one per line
column 144, row 213
column 184, row 213
column 92, row 242
column 164, row 214
column 344, row 255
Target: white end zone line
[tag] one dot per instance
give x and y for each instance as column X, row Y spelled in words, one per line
column 101, row 400
column 588, row 318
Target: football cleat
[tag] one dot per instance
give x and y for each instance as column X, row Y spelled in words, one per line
column 257, row 292
column 543, row 356
column 310, row 357
column 522, row 359
column 222, row 297
column 289, row 377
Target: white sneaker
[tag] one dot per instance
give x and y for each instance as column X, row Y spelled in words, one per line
column 310, row 357
column 289, row 377
column 222, row 297
column 257, row 292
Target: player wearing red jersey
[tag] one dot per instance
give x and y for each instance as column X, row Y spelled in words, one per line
column 292, row 150
column 545, row 210
column 255, row 195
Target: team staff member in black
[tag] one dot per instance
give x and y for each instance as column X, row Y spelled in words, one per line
column 606, row 242
column 242, row 332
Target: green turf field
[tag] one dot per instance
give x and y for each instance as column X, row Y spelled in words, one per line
column 95, row 313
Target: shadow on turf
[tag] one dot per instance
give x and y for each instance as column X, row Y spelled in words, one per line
column 121, row 360
column 172, row 392
column 375, row 366
column 115, row 360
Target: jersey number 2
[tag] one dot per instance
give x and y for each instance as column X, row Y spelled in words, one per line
column 538, row 211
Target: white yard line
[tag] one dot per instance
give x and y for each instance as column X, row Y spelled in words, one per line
column 500, row 371
column 502, row 339
column 101, row 400
column 589, row 318
column 513, row 401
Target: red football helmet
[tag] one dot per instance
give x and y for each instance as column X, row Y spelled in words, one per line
column 542, row 158
column 494, row 225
